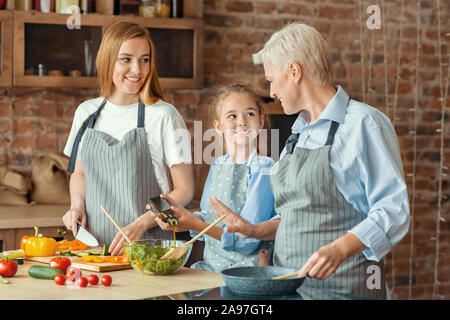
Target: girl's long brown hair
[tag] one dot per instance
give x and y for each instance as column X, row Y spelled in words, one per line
column 107, row 55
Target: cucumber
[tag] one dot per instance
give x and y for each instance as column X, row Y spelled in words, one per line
column 43, row 272
column 105, row 250
column 94, row 253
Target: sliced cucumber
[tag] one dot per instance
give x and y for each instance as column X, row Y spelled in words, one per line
column 3, row 280
column 82, row 253
column 105, row 250
column 95, row 253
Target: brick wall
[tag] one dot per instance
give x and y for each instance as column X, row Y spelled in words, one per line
column 35, row 119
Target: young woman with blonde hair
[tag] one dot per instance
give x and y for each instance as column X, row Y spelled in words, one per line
column 124, row 146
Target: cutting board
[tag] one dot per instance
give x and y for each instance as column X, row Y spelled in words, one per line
column 78, row 262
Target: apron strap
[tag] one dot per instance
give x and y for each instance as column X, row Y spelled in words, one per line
column 88, row 123
column 333, row 128
column 291, row 142
column 141, row 114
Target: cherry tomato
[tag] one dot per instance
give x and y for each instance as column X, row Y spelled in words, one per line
column 106, row 280
column 8, row 268
column 61, row 263
column 60, row 280
column 73, row 274
column 82, row 282
column 92, row 279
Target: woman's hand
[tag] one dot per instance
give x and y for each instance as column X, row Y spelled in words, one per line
column 325, row 261
column 186, row 219
column 234, row 222
column 322, row 263
column 71, row 218
column 134, row 231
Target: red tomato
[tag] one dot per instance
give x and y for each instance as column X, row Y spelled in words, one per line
column 61, row 263
column 82, row 282
column 73, row 274
column 92, row 279
column 106, row 280
column 8, row 268
column 59, row 279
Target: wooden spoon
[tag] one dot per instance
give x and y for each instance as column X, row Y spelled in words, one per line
column 178, row 252
column 285, row 276
column 115, row 223
column 288, row 276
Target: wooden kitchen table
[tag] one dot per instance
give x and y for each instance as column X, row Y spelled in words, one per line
column 126, row 285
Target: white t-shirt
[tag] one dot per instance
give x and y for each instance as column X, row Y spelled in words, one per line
column 167, row 135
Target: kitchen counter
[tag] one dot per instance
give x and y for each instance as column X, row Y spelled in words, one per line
column 126, row 285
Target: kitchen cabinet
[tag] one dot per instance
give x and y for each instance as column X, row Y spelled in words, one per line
column 15, row 222
column 6, row 45
column 59, row 50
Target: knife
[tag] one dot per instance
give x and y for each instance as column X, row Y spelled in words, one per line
column 84, row 236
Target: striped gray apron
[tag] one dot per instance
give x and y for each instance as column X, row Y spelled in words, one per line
column 119, row 175
column 229, row 183
column 313, row 214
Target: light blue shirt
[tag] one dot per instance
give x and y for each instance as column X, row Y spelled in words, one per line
column 366, row 166
column 258, row 207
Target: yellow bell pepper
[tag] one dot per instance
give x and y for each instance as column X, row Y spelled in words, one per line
column 39, row 246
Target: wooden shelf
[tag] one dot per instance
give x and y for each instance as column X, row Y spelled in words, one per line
column 184, row 47
column 6, row 42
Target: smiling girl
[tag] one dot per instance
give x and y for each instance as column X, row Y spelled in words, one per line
column 239, row 179
column 123, row 145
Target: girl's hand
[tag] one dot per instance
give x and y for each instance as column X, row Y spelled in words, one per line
column 71, row 218
column 186, row 219
column 134, row 231
column 234, row 222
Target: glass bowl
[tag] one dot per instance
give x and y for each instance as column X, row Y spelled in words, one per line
column 144, row 256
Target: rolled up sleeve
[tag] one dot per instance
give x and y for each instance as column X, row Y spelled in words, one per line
column 381, row 173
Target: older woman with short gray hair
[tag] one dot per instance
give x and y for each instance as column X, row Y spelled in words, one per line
column 339, row 187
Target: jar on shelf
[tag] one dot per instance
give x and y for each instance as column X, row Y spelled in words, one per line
column 147, row 9
column 176, row 9
column 87, row 6
column 62, row 6
column 129, row 7
column 104, row 6
column 163, row 8
column 47, row 5
column 24, row 5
